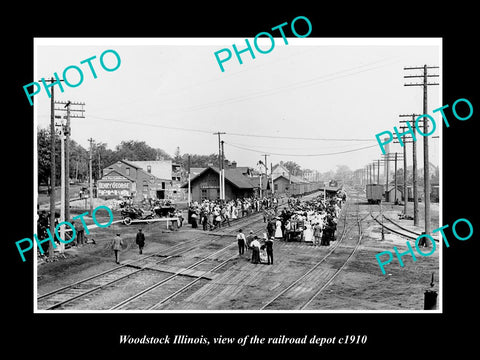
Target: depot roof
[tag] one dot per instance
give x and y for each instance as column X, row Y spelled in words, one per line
column 234, row 176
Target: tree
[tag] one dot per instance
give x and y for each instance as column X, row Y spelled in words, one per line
column 200, row 161
column 292, row 167
column 177, row 158
column 136, row 151
column 43, row 158
column 343, row 173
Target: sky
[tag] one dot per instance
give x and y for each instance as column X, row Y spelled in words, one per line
column 171, row 92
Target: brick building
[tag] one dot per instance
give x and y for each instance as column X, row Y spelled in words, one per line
column 140, row 180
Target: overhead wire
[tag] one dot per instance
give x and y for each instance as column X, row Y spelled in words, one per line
column 227, row 133
column 301, row 155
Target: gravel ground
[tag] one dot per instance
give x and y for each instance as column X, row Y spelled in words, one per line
column 360, row 286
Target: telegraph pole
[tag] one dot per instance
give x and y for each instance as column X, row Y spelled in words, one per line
column 91, row 180
column 378, row 171
column 189, row 185
column 387, row 158
column 67, row 131
column 414, row 168
column 62, row 186
column 52, row 163
column 266, row 175
column 395, row 177
column 222, row 194
column 220, row 160
column 426, row 163
column 405, row 192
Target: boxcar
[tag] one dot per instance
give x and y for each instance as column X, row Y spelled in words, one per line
column 374, row 193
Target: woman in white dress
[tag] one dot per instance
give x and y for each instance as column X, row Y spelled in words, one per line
column 278, row 229
column 308, row 233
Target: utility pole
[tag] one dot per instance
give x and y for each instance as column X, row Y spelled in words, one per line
column 91, row 180
column 426, row 163
column 67, row 132
column 395, row 177
column 52, row 163
column 266, row 175
column 387, row 158
column 414, row 168
column 378, row 171
column 189, row 185
column 61, row 247
column 405, row 193
column 271, row 175
column 223, row 173
column 220, row 160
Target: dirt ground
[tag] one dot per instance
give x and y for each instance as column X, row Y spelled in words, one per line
column 360, row 286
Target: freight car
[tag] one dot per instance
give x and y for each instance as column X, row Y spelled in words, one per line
column 374, row 193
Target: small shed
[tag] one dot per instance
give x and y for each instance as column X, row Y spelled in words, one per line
column 393, row 193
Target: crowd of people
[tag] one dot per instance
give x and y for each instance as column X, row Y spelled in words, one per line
column 312, row 221
column 212, row 214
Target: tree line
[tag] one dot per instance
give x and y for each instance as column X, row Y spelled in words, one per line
column 134, row 150
column 103, row 157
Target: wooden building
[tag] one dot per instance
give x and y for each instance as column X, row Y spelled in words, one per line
column 206, row 184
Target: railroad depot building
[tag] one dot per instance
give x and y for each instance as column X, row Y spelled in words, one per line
column 206, row 184
column 141, row 180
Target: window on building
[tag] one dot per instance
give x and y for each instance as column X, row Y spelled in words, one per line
column 275, row 187
column 149, row 169
column 127, row 171
column 204, row 194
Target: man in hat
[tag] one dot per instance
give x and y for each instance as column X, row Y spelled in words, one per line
column 241, row 242
column 140, row 240
column 117, row 245
column 249, row 239
column 269, row 248
column 255, row 250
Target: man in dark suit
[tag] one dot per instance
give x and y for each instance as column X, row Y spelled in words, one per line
column 140, row 240
column 269, row 248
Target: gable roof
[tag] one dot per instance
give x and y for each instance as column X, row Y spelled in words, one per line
column 129, row 163
column 292, row 178
column 234, row 176
column 280, row 170
column 117, row 174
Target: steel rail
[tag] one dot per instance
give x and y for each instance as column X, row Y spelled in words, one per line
column 339, row 269
column 99, row 287
column 141, row 293
column 312, row 268
column 196, row 280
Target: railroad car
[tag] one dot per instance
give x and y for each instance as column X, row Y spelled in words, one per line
column 374, row 193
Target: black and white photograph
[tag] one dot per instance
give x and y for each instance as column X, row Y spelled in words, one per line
column 255, row 188
column 198, row 183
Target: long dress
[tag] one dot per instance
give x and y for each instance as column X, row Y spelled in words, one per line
column 308, row 233
column 278, row 230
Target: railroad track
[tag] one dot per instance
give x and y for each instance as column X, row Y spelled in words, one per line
column 63, row 298
column 300, row 293
column 153, row 297
column 64, row 295
column 407, row 233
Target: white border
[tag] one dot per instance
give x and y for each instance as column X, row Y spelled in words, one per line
column 223, row 41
